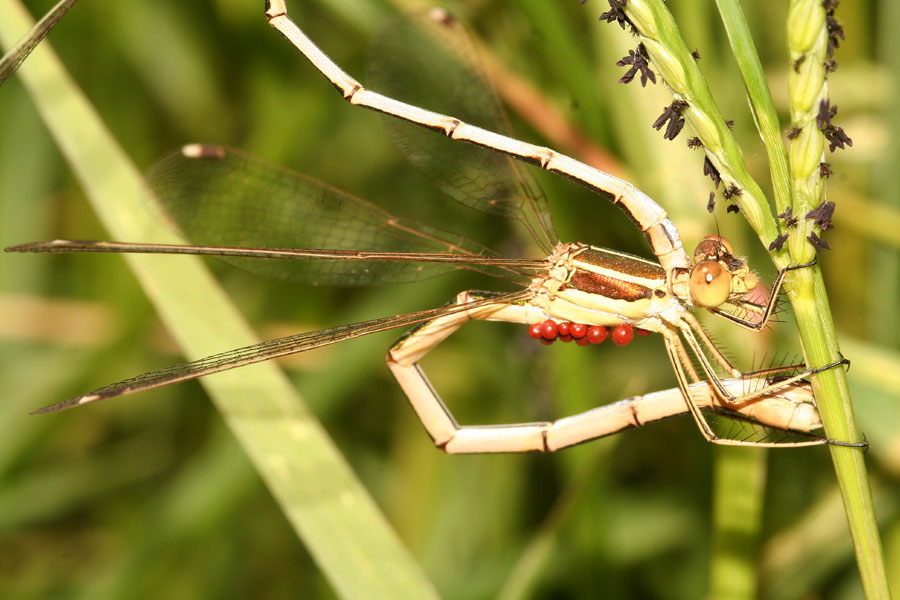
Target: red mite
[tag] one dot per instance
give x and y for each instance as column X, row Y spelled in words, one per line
column 622, row 335
column 549, row 331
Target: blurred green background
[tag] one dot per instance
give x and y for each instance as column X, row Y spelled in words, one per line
column 149, row 496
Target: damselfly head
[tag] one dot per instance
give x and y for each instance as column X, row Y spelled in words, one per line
column 713, row 247
column 718, row 275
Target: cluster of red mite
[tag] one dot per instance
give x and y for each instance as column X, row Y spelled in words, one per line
column 549, row 331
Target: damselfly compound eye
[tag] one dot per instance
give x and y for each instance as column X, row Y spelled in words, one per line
column 724, row 243
column 710, row 284
column 711, row 247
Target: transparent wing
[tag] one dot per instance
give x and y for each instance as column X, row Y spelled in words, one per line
column 222, row 197
column 429, row 61
column 263, row 351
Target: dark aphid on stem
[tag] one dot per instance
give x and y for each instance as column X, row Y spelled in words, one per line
column 825, row 114
column 830, row 65
column 694, row 142
column 695, row 53
column 822, row 215
column 793, row 132
column 731, row 191
column 818, row 242
column 835, row 31
column 637, row 60
column 712, row 171
column 824, row 170
column 834, row 134
column 616, row 14
column 778, row 242
column 788, row 217
column 790, row 221
column 798, row 63
column 836, row 137
column 672, row 115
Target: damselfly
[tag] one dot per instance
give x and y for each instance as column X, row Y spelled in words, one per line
column 577, row 291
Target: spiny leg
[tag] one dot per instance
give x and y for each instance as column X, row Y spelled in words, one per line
column 717, row 354
column 770, row 305
column 727, row 397
column 694, row 330
column 675, row 349
column 685, row 361
column 678, row 358
column 776, row 369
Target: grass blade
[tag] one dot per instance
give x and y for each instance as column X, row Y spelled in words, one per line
column 16, row 55
column 317, row 491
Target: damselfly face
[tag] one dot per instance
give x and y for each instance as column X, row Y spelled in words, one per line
column 718, row 276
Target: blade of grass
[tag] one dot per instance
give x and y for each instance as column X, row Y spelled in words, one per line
column 670, row 57
column 662, row 42
column 816, row 325
column 819, row 338
column 740, row 472
column 326, row 504
column 799, row 560
column 881, row 310
column 761, row 103
column 739, row 490
column 808, row 45
column 523, row 577
column 809, row 299
column 20, row 51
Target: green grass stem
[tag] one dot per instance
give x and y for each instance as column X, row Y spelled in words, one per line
column 803, row 189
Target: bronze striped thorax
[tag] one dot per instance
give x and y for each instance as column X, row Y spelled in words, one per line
column 597, row 286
